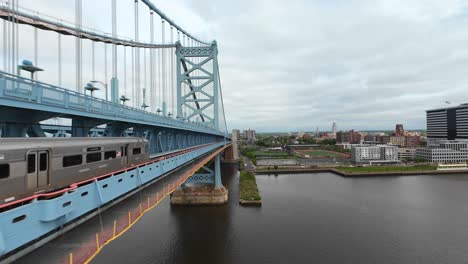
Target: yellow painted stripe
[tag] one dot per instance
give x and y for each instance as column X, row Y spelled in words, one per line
column 187, row 175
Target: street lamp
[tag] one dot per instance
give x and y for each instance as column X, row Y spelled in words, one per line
column 144, row 106
column 105, row 87
column 124, row 99
column 90, row 87
column 159, row 111
column 29, row 67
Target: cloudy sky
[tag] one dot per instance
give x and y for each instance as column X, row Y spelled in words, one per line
column 297, row 64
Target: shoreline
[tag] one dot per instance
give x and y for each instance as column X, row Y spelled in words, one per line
column 357, row 175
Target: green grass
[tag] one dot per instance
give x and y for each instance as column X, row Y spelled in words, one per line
column 322, row 154
column 270, row 153
column 248, row 187
column 371, row 169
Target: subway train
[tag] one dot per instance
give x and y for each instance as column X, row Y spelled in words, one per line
column 31, row 166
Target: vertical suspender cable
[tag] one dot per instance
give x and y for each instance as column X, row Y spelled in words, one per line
column 151, row 87
column 114, row 34
column 172, row 71
column 105, row 72
column 78, row 21
column 59, row 60
column 7, row 40
column 144, row 88
column 125, row 70
column 222, row 101
column 36, row 50
column 164, row 72
column 12, row 39
column 5, row 46
column 133, row 76
column 9, row 33
column 93, row 61
column 177, row 84
column 159, row 73
column 137, row 59
column 17, row 35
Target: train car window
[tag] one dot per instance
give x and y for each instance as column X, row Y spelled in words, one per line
column 110, row 155
column 4, row 171
column 31, row 163
column 136, row 151
column 42, row 162
column 72, row 160
column 93, row 157
column 94, row 149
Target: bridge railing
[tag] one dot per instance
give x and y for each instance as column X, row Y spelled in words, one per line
column 21, row 89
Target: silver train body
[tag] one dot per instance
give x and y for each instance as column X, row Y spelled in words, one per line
column 30, row 166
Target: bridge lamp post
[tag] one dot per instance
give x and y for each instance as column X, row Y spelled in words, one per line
column 159, row 111
column 29, row 67
column 124, row 99
column 144, row 106
column 103, row 84
column 91, row 88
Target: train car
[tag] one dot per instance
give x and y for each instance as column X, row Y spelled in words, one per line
column 37, row 165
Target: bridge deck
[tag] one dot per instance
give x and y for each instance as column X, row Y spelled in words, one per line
column 25, row 93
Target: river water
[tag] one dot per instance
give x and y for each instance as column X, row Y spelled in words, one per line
column 310, row 218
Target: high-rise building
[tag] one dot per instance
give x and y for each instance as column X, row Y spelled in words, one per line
column 399, row 130
column 250, row 134
column 447, row 123
column 334, row 128
column 348, row 137
column 342, row 137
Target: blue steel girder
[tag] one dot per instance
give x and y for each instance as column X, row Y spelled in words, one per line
column 20, row 122
column 208, row 175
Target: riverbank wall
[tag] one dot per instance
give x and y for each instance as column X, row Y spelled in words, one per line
column 358, row 175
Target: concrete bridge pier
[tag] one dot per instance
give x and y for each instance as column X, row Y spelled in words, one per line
column 231, row 155
column 203, row 188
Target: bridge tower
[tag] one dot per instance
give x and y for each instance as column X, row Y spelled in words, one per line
column 198, row 96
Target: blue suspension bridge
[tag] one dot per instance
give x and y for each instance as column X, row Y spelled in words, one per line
column 147, row 78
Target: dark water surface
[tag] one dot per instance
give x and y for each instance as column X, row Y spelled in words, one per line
column 310, row 218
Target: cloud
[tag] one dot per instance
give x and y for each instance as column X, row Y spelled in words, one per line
column 290, row 65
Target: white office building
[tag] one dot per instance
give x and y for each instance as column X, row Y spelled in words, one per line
column 406, row 153
column 447, row 152
column 374, row 154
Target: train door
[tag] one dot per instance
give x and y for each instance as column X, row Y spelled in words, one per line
column 124, row 154
column 37, row 169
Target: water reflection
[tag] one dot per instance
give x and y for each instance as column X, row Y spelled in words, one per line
column 202, row 232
